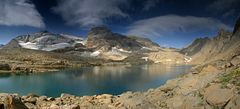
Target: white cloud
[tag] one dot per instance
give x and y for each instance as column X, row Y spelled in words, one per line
column 89, row 12
column 173, row 25
column 19, row 13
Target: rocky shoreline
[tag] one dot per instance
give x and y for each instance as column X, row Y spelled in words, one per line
column 208, row 88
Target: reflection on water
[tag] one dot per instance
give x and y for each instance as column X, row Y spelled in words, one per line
column 92, row 80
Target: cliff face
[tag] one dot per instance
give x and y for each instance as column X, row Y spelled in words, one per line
column 224, row 47
column 237, row 27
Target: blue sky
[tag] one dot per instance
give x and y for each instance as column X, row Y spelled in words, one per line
column 171, row 23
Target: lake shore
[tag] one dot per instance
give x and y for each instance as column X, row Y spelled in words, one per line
column 207, row 88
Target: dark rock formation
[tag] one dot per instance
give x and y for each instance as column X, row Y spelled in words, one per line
column 5, row 67
column 237, row 27
column 11, row 102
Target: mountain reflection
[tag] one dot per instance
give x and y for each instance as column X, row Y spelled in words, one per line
column 93, row 80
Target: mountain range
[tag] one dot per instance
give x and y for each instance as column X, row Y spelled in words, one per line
column 102, row 46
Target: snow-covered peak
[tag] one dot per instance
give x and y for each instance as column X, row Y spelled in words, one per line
column 48, row 41
column 72, row 37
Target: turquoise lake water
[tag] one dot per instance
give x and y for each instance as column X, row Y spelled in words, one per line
column 92, row 80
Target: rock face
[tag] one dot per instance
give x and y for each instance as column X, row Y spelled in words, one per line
column 223, row 47
column 195, row 47
column 237, row 27
column 217, row 96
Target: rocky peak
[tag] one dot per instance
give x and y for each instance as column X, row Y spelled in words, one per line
column 237, row 26
column 196, row 46
column 99, row 32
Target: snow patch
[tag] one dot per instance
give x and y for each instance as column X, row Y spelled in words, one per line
column 95, row 53
column 146, row 48
column 71, row 37
column 35, row 46
column 187, row 59
column 117, row 51
column 56, row 46
column 29, row 45
column 145, row 58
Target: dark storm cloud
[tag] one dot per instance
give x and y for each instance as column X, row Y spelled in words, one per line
column 20, row 13
column 227, row 8
column 223, row 5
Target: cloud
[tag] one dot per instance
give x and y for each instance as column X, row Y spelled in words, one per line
column 20, row 13
column 227, row 8
column 174, row 25
column 223, row 5
column 148, row 4
column 90, row 12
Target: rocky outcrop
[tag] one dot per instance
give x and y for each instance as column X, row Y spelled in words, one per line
column 12, row 44
column 237, row 27
column 5, row 67
column 11, row 102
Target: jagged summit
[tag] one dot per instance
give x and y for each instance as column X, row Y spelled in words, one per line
column 237, row 27
column 195, row 46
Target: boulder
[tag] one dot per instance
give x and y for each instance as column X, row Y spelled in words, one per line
column 5, row 67
column 14, row 102
column 234, row 103
column 191, row 102
column 32, row 100
column 217, row 96
column 209, row 69
column 64, row 95
column 175, row 102
column 236, row 61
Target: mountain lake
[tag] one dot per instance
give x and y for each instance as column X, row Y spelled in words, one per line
column 92, row 80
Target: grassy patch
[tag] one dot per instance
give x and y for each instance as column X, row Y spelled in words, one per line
column 233, row 77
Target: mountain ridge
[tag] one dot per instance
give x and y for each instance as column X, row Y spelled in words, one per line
column 224, row 46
